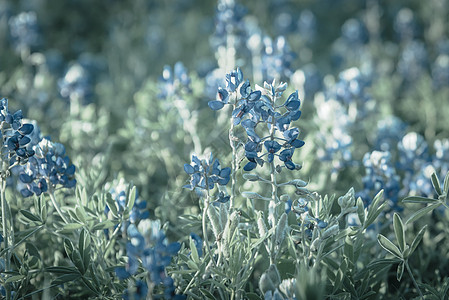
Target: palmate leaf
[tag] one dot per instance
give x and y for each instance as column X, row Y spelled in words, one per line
column 389, row 246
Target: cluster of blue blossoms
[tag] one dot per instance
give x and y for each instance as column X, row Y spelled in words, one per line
column 40, row 163
column 253, row 107
column 48, row 168
column 15, row 137
column 403, row 165
column 204, row 174
column 174, row 82
column 151, row 250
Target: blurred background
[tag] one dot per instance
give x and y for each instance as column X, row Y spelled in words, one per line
column 124, row 85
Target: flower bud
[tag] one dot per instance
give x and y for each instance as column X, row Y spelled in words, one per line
column 215, row 221
column 280, row 229
column 251, row 177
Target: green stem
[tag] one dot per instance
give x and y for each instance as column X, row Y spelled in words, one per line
column 51, row 192
column 232, row 141
column 274, row 194
column 413, row 278
column 206, row 207
column 5, row 235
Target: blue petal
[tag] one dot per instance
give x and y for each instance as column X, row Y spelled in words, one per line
column 25, row 178
column 26, row 129
column 216, row 105
column 250, row 166
column 297, row 143
column 189, row 169
column 293, row 105
column 254, row 96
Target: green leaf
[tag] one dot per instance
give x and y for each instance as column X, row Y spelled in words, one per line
column 68, row 248
column 62, row 270
column 446, row 184
column 400, row 271
column 15, row 278
column 417, row 199
column 30, row 216
column 418, row 214
column 103, row 225
column 78, row 261
column 70, row 227
column 131, row 198
column 192, row 265
column 81, row 214
column 206, row 293
column 373, row 216
column 368, row 295
column 417, row 239
column 389, row 246
column 399, row 231
column 32, row 250
column 65, row 278
column 194, row 251
column 349, row 249
column 84, row 248
column 436, row 184
column 112, row 205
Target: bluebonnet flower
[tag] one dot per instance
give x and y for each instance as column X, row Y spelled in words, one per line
column 277, row 58
column 24, row 31
column 148, row 246
column 15, row 137
column 229, row 21
column 47, row 169
column 413, row 61
column 173, row 82
column 351, row 87
column 405, row 25
column 389, row 132
column 307, row 26
column 334, row 138
column 204, row 174
column 350, row 49
column 440, row 71
column 413, row 151
column 139, row 292
column 380, row 174
column 76, row 84
column 252, row 107
column 309, row 80
column 354, row 32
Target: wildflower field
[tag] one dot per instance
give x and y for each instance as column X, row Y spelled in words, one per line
column 229, row 149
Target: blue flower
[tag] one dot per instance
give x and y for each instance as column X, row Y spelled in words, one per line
column 222, row 99
column 24, row 31
column 272, row 147
column 205, row 174
column 15, row 136
column 140, row 291
column 49, row 167
column 286, row 157
column 174, row 82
